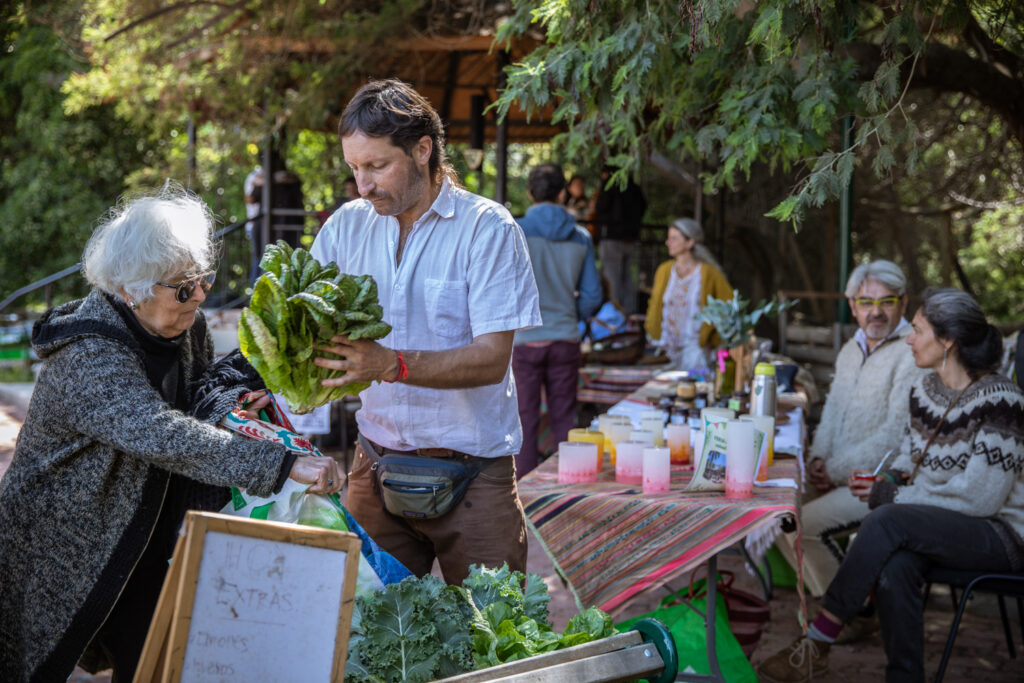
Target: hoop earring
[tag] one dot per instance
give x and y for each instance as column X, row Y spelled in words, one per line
column 944, row 354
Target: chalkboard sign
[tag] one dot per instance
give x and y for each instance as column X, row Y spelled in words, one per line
column 251, row 600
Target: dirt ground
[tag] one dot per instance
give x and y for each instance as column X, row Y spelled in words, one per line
column 980, row 654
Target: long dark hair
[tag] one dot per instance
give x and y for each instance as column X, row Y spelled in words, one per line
column 393, row 109
column 956, row 316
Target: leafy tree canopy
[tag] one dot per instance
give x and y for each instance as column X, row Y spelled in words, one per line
column 737, row 83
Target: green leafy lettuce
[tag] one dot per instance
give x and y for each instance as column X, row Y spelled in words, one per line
column 297, row 305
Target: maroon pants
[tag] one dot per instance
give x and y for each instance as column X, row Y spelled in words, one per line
column 556, row 368
column 487, row 527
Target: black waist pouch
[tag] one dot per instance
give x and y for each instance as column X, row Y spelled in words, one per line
column 418, row 486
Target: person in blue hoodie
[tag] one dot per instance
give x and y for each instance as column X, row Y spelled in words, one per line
column 569, row 286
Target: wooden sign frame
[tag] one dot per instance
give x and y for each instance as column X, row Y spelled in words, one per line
column 163, row 653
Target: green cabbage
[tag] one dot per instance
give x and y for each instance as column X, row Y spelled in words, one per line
column 297, row 305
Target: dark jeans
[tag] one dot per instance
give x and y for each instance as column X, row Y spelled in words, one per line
column 556, row 368
column 894, row 548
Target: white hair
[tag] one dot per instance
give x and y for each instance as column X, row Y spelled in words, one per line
column 884, row 272
column 149, row 238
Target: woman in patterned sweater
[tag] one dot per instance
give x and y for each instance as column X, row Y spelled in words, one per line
column 954, row 498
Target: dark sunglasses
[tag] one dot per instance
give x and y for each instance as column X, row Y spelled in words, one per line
column 185, row 288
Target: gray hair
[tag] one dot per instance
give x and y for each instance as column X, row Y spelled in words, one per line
column 691, row 228
column 957, row 317
column 885, row 272
column 148, row 238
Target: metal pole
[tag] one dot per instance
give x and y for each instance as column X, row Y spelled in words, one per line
column 268, row 177
column 501, row 141
column 845, row 223
column 191, row 151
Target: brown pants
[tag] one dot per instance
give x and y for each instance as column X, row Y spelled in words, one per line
column 487, row 527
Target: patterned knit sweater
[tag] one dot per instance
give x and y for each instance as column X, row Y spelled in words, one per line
column 975, row 463
column 866, row 408
column 89, row 477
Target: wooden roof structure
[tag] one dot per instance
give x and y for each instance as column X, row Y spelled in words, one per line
column 450, row 70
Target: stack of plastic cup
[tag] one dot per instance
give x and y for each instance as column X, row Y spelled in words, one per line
column 654, row 421
column 577, row 462
column 619, row 432
column 740, row 459
column 629, row 464
column 765, row 424
column 657, row 469
column 678, row 436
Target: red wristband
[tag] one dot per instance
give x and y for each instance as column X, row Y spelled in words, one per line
column 403, row 369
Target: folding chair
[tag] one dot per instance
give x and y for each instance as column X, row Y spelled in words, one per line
column 969, row 581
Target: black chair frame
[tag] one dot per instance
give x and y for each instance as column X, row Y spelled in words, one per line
column 999, row 584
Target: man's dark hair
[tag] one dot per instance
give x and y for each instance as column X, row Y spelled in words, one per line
column 545, row 182
column 393, row 109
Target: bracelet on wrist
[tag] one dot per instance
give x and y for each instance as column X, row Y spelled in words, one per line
column 403, row 369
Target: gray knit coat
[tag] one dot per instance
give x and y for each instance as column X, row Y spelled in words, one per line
column 88, row 479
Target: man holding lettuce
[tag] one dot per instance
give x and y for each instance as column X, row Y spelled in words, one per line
column 454, row 279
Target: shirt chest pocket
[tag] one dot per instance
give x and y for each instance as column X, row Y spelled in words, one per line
column 447, row 308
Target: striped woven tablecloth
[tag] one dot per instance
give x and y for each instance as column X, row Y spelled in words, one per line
column 612, row 542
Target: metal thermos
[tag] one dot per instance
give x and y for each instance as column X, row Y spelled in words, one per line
column 762, row 392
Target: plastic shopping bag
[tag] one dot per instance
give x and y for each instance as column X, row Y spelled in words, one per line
column 688, row 632
column 293, row 504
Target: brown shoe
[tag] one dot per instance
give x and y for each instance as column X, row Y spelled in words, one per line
column 802, row 661
column 858, row 629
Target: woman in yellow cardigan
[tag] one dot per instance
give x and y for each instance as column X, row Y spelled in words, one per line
column 681, row 287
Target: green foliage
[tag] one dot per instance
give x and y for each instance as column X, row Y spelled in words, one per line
column 296, row 306
column 414, row 630
column 731, row 319
column 58, row 174
column 735, row 84
column 419, row 629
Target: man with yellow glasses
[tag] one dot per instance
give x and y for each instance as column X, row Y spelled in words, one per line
column 863, row 418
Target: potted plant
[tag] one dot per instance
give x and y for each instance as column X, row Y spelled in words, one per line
column 735, row 325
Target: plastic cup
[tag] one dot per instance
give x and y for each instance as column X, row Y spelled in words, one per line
column 576, row 462
column 644, row 435
column 740, row 459
column 629, row 464
column 678, row 436
column 590, row 436
column 619, row 432
column 765, row 424
column 654, row 421
column 605, row 421
column 657, row 469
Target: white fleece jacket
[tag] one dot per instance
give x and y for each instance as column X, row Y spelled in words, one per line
column 867, row 406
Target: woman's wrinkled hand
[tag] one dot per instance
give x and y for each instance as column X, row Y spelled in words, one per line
column 323, row 473
column 860, row 483
column 250, row 404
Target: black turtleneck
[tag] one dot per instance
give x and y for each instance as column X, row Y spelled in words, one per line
column 161, row 356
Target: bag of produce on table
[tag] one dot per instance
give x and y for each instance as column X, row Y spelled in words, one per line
column 297, row 305
column 421, row 629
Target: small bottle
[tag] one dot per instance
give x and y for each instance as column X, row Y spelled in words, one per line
column 762, row 392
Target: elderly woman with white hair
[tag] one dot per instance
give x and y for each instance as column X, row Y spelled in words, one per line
column 682, row 286
column 108, row 460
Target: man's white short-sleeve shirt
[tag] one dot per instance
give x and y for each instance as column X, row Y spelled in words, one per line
column 465, row 272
